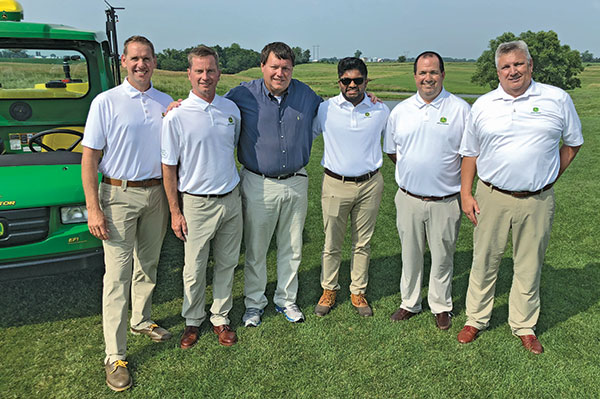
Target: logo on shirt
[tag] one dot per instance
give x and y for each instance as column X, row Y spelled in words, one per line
column 443, row 121
column 535, row 110
column 368, row 114
column 163, row 153
column 230, row 120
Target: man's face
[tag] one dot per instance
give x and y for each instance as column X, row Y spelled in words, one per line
column 514, row 72
column 204, row 75
column 352, row 91
column 429, row 79
column 140, row 63
column 277, row 74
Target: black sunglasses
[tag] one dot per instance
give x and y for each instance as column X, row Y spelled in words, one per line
column 346, row 81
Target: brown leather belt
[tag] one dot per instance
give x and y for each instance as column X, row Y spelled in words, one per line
column 354, row 179
column 210, row 195
column 519, row 194
column 280, row 177
column 431, row 198
column 139, row 183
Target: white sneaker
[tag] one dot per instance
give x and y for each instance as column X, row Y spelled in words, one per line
column 251, row 317
column 292, row 313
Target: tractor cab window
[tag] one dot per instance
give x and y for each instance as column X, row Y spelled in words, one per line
column 42, row 73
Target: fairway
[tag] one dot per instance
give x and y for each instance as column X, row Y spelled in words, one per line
column 51, row 328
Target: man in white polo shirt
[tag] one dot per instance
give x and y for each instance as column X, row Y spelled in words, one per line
column 198, row 144
column 352, row 127
column 423, row 138
column 512, row 142
column 130, row 212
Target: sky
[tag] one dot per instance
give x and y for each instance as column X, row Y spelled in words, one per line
column 378, row 28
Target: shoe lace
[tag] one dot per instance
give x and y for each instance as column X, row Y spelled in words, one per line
column 119, row 363
column 328, row 298
column 252, row 312
column 360, row 300
column 293, row 308
column 153, row 326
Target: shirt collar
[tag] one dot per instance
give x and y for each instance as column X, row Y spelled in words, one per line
column 341, row 102
column 267, row 93
column 133, row 92
column 202, row 103
column 436, row 103
column 532, row 90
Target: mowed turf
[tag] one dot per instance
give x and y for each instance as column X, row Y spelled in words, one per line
column 51, row 343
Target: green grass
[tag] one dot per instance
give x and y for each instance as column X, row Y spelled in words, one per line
column 51, row 328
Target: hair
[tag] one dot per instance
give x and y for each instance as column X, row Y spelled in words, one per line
column 427, row 54
column 351, row 63
column 509, row 47
column 138, row 39
column 202, row 51
column 281, row 51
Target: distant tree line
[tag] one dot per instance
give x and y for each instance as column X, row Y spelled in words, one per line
column 232, row 59
column 586, row 56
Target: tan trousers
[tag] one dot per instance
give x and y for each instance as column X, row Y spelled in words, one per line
column 136, row 219
column 271, row 205
column 361, row 202
column 216, row 221
column 436, row 222
column 530, row 220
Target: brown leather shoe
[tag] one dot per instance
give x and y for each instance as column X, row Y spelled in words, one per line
column 226, row 335
column 326, row 302
column 156, row 333
column 531, row 343
column 402, row 314
column 467, row 334
column 117, row 375
column 189, row 337
column 361, row 305
column 443, row 320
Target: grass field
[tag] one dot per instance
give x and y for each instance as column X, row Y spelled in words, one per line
column 51, row 342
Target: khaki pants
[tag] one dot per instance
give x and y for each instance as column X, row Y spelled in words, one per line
column 530, row 220
column 271, row 205
column 361, row 202
column 216, row 221
column 136, row 219
column 437, row 222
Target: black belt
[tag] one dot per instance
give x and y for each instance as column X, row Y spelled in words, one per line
column 139, row 183
column 354, row 179
column 210, row 195
column 519, row 194
column 280, row 177
column 430, row 198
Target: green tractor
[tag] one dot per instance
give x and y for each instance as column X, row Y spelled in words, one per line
column 50, row 75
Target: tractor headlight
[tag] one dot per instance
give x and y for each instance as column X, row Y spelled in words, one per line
column 73, row 214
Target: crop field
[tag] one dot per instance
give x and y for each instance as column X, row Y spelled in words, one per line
column 51, row 343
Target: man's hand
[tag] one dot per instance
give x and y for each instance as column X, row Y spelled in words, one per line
column 97, row 224
column 374, row 98
column 174, row 104
column 179, row 226
column 470, row 207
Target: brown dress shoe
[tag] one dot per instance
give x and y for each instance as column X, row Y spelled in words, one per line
column 117, row 375
column 531, row 343
column 443, row 320
column 467, row 334
column 189, row 337
column 226, row 335
column 402, row 314
column 361, row 305
column 326, row 302
column 156, row 333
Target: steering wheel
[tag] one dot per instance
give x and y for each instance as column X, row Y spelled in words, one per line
column 37, row 139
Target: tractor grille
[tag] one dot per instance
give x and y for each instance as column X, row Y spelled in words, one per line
column 23, row 226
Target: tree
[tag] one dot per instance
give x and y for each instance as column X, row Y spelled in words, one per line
column 402, row 58
column 302, row 56
column 357, row 53
column 586, row 56
column 553, row 63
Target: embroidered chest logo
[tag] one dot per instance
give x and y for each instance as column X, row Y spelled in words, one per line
column 443, row 121
column 230, row 120
column 535, row 110
column 368, row 114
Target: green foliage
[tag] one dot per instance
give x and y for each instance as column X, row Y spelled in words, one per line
column 402, row 58
column 357, row 53
column 232, row 59
column 553, row 63
column 302, row 56
column 586, row 56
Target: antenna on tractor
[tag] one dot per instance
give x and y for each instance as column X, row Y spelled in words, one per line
column 111, row 32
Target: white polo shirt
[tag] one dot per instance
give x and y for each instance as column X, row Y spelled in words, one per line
column 201, row 138
column 352, row 135
column 126, row 123
column 516, row 140
column 426, row 139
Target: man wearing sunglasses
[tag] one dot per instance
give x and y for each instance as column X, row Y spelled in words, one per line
column 423, row 138
column 352, row 127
